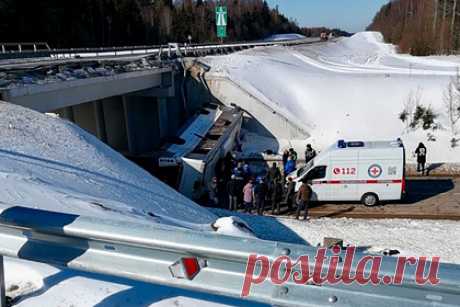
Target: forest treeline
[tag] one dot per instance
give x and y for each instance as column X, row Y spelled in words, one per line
column 89, row 23
column 97, row 23
column 420, row 27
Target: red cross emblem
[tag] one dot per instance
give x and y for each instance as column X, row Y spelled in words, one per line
column 375, row 171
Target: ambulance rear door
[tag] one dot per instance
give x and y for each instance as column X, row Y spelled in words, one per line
column 383, row 171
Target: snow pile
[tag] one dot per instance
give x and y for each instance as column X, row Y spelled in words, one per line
column 285, row 37
column 409, row 237
column 49, row 286
column 352, row 88
column 52, row 164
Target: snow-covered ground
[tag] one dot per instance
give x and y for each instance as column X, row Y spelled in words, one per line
column 52, row 164
column 43, row 285
column 410, row 237
column 349, row 88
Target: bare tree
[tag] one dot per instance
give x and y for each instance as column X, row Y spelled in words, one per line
column 453, row 35
column 443, row 25
column 452, row 103
column 435, row 18
column 410, row 104
column 454, row 14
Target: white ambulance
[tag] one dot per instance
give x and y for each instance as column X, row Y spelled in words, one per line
column 369, row 172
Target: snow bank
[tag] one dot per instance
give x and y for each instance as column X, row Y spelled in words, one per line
column 49, row 286
column 352, row 88
column 409, row 237
column 52, row 164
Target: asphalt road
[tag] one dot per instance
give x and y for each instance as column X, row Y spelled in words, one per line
column 427, row 198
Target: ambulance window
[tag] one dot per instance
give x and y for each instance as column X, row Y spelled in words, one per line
column 318, row 172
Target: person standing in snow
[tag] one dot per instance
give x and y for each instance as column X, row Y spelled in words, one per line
column 310, row 153
column 421, row 153
column 289, row 167
column 290, row 193
column 239, row 182
column 303, row 200
column 274, row 174
column 260, row 194
column 248, row 196
column 232, row 189
column 213, row 193
column 276, row 195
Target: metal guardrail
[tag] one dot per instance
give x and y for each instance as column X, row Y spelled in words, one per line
column 152, row 253
column 140, row 50
column 23, row 47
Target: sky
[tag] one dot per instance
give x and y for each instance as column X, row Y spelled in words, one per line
column 349, row 15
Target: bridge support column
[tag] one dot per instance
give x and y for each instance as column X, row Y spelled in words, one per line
column 142, row 125
column 115, row 123
column 101, row 132
column 67, row 113
column 84, row 116
column 163, row 117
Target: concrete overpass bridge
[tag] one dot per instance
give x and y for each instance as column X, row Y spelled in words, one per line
column 130, row 111
column 135, row 99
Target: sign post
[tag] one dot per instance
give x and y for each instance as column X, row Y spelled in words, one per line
column 221, row 21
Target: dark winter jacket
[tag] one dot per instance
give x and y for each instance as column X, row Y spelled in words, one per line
column 260, row 190
column 274, row 174
column 310, row 154
column 421, row 154
column 233, row 187
column 289, row 167
column 277, row 191
column 290, row 192
column 304, row 192
column 285, row 157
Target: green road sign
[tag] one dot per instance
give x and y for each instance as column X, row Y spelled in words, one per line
column 221, row 21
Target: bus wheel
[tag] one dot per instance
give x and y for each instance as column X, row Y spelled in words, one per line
column 370, row 200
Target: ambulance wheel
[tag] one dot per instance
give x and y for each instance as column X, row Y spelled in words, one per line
column 370, row 200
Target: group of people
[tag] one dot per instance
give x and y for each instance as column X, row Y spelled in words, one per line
column 245, row 190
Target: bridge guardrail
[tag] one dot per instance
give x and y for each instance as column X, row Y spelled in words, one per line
column 133, row 50
column 194, row 260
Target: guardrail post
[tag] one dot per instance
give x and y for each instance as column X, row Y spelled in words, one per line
column 2, row 284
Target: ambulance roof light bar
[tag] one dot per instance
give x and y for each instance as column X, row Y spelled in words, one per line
column 354, row 144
